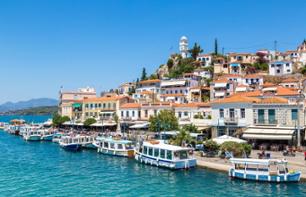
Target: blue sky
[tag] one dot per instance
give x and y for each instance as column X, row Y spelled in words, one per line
column 73, row 43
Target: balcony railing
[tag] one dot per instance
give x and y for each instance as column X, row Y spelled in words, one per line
column 231, row 120
column 265, row 122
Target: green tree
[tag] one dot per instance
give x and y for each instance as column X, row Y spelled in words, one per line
column 211, row 146
column 182, row 138
column 58, row 120
column 165, row 120
column 89, row 121
column 191, row 128
column 216, row 47
column 195, row 51
column 170, row 63
column 143, row 74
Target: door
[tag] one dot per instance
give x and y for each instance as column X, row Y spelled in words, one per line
column 261, row 116
column 232, row 114
column 271, row 117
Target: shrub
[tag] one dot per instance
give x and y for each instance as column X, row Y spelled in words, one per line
column 211, row 146
column 89, row 121
column 238, row 149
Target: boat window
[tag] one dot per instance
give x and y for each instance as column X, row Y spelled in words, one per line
column 183, row 155
column 281, row 169
column 151, row 151
column 162, row 153
column 112, row 145
column 128, row 146
column 169, row 154
column 119, row 146
column 156, row 152
column 262, row 168
column 145, row 150
column 252, row 167
column 105, row 144
column 239, row 166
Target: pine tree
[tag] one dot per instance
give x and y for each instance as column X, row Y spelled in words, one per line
column 144, row 74
column 216, row 46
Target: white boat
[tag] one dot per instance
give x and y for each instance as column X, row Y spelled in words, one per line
column 32, row 135
column 267, row 170
column 47, row 134
column 115, row 146
column 159, row 154
column 27, row 128
column 71, row 143
column 87, row 141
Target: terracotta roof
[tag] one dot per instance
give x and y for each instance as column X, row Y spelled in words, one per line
column 268, row 84
column 237, row 99
column 146, row 92
column 274, row 100
column 149, row 81
column 221, row 80
column 290, row 80
column 232, row 75
column 252, row 76
column 130, row 105
column 196, row 104
column 101, row 99
column 167, row 95
column 281, row 91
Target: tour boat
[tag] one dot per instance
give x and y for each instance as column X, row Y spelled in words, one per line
column 57, row 137
column 70, row 143
column 32, row 134
column 87, row 141
column 115, row 146
column 268, row 170
column 159, row 154
column 47, row 134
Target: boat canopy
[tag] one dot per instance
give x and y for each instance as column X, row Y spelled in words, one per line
column 265, row 162
column 161, row 145
column 113, row 140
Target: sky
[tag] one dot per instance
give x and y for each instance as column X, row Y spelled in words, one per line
column 46, row 44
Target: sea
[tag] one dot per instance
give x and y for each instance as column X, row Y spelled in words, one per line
column 44, row 169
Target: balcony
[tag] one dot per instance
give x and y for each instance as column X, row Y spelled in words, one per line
column 231, row 120
column 265, row 122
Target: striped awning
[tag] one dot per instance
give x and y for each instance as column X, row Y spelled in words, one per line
column 268, row 134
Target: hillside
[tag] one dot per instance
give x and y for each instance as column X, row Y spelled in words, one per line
column 45, row 110
column 33, row 103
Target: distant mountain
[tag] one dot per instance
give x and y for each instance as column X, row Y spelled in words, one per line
column 48, row 110
column 40, row 102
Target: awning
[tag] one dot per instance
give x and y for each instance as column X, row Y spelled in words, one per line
column 220, row 85
column 226, row 138
column 105, row 124
column 268, row 133
column 140, row 126
column 76, row 105
column 173, row 83
column 218, row 94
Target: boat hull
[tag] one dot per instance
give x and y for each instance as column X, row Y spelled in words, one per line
column 290, row 177
column 175, row 165
column 32, row 138
column 47, row 137
column 72, row 147
column 119, row 153
column 90, row 146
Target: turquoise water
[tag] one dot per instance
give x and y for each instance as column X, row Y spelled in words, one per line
column 44, row 169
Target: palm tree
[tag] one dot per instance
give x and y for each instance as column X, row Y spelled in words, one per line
column 182, row 138
column 195, row 51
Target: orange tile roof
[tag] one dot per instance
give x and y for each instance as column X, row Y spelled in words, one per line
column 149, row 81
column 281, row 91
column 189, row 105
column 130, row 105
column 167, row 95
column 268, row 84
column 274, row 100
column 231, row 75
column 290, row 80
column 221, row 80
column 101, row 99
column 237, row 99
column 146, row 92
column 252, row 76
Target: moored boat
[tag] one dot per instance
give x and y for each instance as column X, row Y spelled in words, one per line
column 32, row 135
column 56, row 137
column 266, row 170
column 70, row 143
column 115, row 146
column 47, row 134
column 159, row 154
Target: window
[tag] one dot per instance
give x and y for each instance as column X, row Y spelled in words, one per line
column 105, row 144
column 221, row 113
column 288, row 70
column 139, row 114
column 145, row 149
column 156, row 152
column 180, row 114
column 119, row 146
column 114, row 105
column 294, row 114
column 169, row 154
column 277, row 71
column 185, row 113
column 242, row 113
column 150, row 151
column 112, row 145
column 155, row 112
column 127, row 114
column 133, row 113
column 121, row 113
column 109, row 105
column 162, row 153
column 146, row 113
column 272, row 65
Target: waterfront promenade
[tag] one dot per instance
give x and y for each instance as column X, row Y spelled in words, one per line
column 216, row 163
